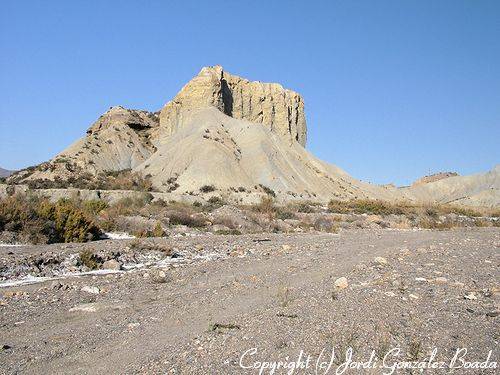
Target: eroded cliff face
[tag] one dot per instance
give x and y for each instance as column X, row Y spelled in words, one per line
column 269, row 104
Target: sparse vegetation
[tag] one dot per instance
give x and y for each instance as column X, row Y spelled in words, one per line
column 89, row 259
column 207, row 188
column 268, row 190
column 40, row 221
column 80, row 179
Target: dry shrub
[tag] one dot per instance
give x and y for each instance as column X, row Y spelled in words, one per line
column 185, row 218
column 41, row 221
column 266, row 206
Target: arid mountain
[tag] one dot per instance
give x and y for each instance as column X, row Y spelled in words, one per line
column 482, row 189
column 234, row 136
column 5, row 172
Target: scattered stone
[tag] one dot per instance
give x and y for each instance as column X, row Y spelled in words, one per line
column 341, row 283
column 85, row 307
column 423, row 279
column 91, row 289
column 158, row 276
column 286, row 247
column 470, row 296
column 112, row 264
column 133, row 325
column 414, row 296
column 380, row 260
column 493, row 314
column 440, row 280
column 390, row 294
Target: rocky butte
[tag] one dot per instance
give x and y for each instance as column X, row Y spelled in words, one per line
column 243, row 138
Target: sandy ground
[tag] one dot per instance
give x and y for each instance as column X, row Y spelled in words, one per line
column 275, row 293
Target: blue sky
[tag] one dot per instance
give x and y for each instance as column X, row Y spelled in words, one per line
column 393, row 89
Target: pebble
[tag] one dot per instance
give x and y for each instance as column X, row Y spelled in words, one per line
column 440, row 280
column 341, row 283
column 158, row 276
column 470, row 296
column 414, row 296
column 380, row 260
column 112, row 264
column 420, row 279
column 85, row 307
column 91, row 289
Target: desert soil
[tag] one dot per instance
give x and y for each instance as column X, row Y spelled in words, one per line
column 416, row 290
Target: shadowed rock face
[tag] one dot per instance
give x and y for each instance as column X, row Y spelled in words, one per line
column 268, row 104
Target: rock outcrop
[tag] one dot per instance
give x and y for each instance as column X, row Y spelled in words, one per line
column 269, row 104
column 434, row 177
column 120, row 139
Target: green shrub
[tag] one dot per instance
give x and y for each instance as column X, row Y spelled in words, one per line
column 42, row 221
column 89, row 259
column 95, row 206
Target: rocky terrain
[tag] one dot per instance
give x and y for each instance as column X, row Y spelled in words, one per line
column 241, row 137
column 196, row 304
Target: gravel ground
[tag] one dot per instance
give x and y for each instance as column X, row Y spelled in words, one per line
column 219, row 297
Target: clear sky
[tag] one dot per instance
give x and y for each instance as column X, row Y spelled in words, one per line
column 393, row 89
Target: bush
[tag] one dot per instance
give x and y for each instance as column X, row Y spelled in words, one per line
column 234, row 232
column 184, row 218
column 284, row 215
column 158, row 230
column 42, row 221
column 369, row 206
column 268, row 190
column 95, row 206
column 89, row 259
column 207, row 188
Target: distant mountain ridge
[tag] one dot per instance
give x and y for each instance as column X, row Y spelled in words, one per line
column 5, row 172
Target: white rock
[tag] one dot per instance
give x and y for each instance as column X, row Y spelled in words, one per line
column 85, row 307
column 440, row 280
column 420, row 279
column 91, row 289
column 470, row 296
column 341, row 283
column 380, row 260
column 112, row 264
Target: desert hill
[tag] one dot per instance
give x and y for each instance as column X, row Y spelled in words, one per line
column 230, row 135
column 481, row 189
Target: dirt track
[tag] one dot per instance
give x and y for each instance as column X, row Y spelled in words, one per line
column 277, row 296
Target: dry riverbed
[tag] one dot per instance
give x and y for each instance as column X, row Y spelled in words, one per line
column 199, row 305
